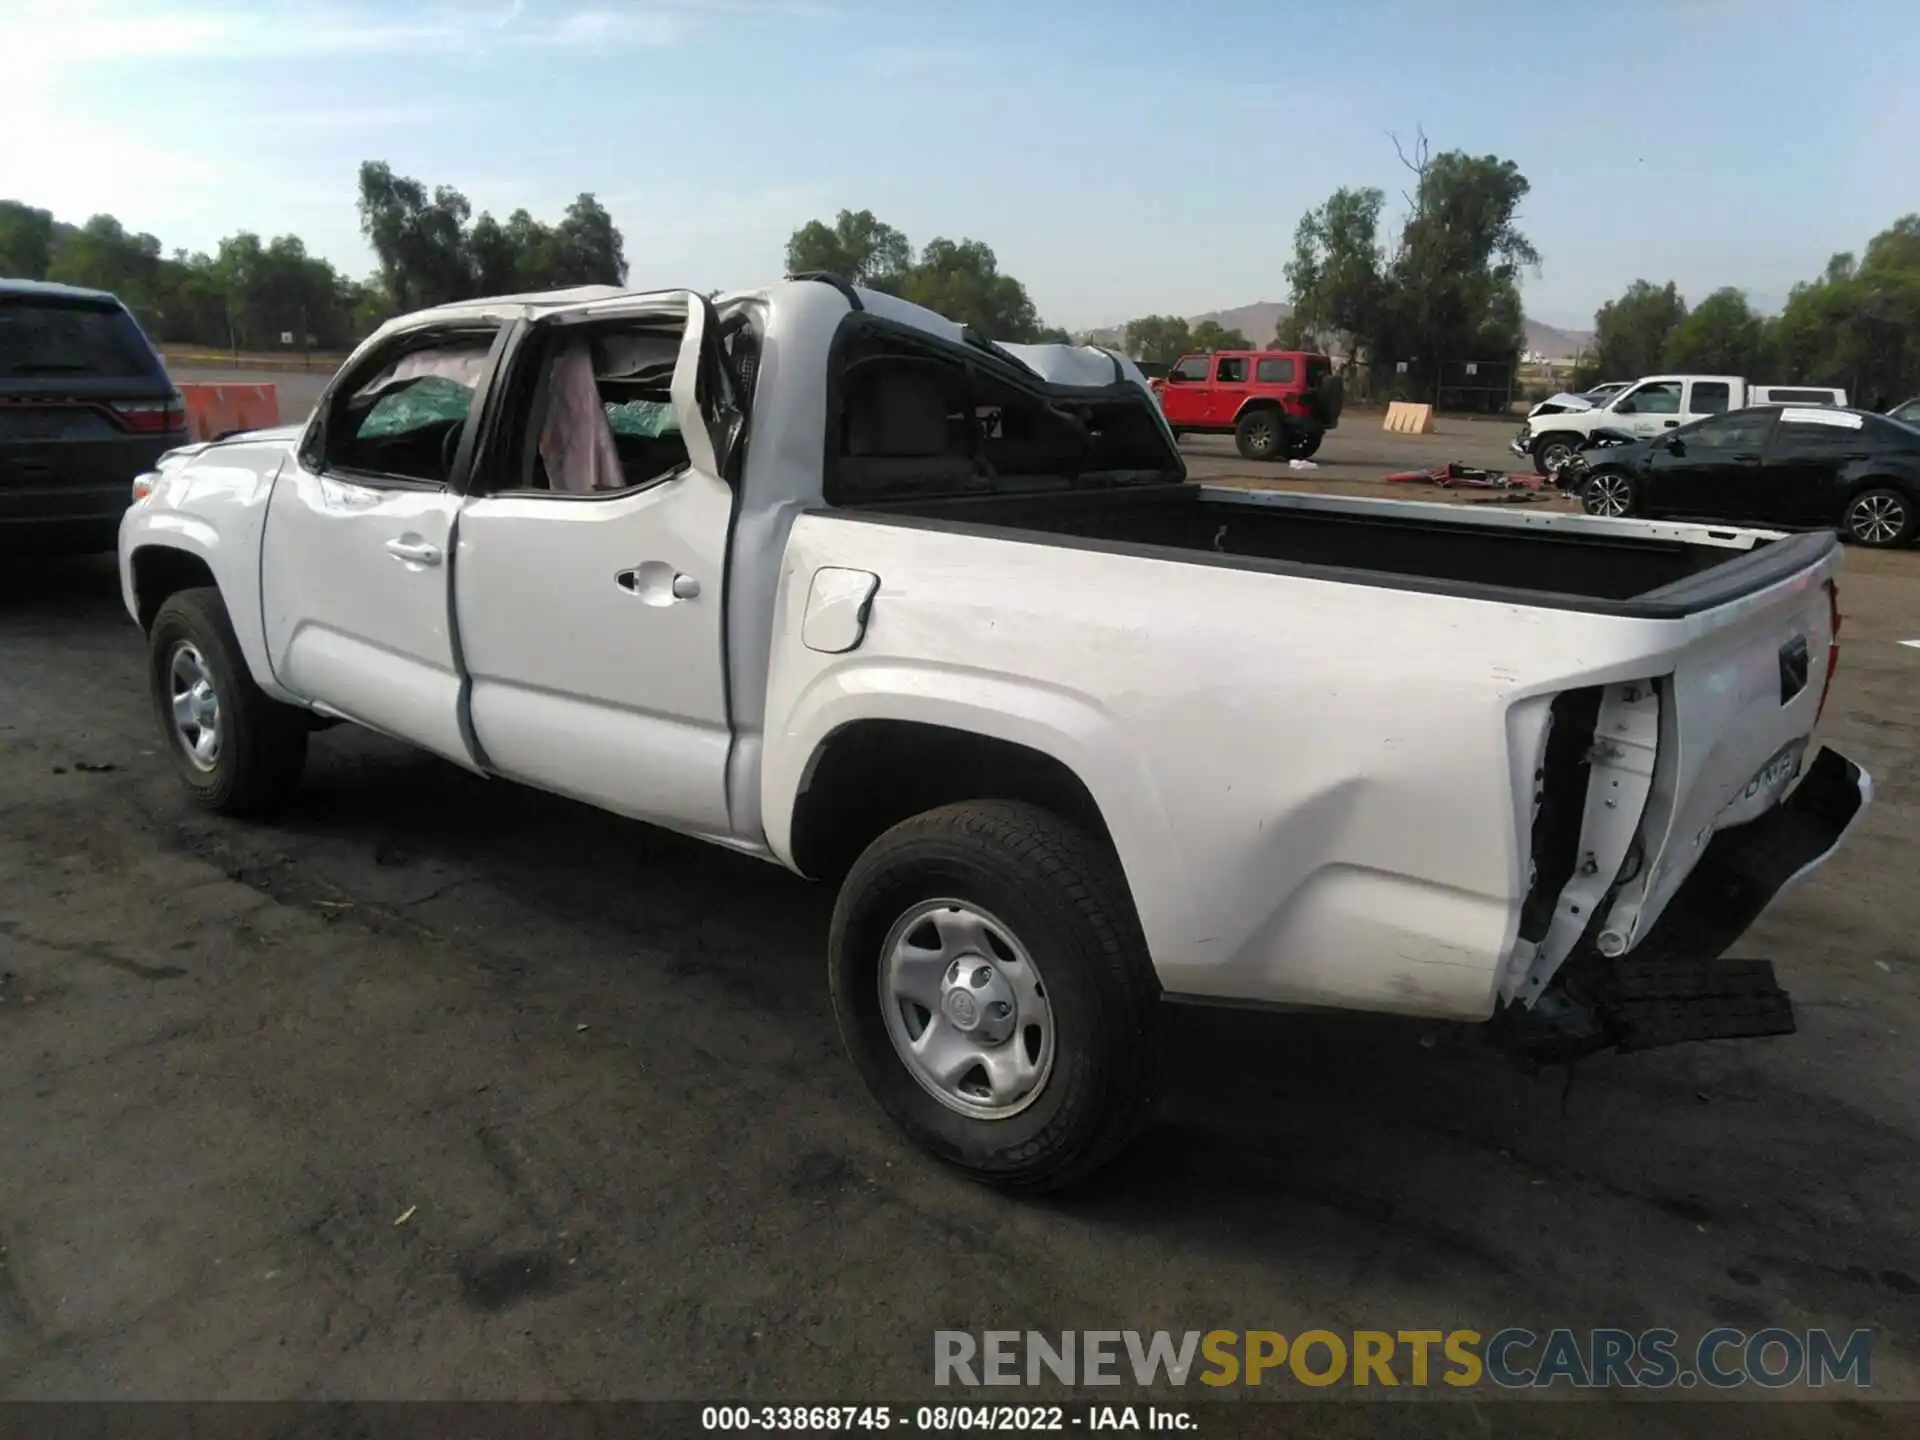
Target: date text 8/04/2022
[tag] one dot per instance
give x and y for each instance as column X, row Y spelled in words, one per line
column 1514, row 1357
column 940, row 1419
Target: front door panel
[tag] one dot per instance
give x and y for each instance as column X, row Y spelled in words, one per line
column 354, row 585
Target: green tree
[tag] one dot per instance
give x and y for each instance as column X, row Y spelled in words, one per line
column 961, row 280
column 1337, row 274
column 1859, row 325
column 101, row 255
column 1212, row 335
column 587, row 247
column 1448, row 292
column 419, row 239
column 858, row 247
column 1159, row 338
column 1720, row 336
column 1454, row 281
column 1631, row 335
column 26, row 240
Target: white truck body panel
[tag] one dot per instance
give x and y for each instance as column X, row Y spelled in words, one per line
column 1319, row 789
column 1655, row 403
column 1368, row 863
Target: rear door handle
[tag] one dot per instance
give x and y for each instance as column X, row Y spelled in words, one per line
column 414, row 552
column 657, row 583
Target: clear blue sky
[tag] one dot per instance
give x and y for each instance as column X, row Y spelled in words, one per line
column 1120, row 156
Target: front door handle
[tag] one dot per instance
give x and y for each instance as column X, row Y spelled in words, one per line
column 413, row 551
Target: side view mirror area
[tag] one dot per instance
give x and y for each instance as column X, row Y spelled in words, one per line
column 1626, row 407
column 1675, row 444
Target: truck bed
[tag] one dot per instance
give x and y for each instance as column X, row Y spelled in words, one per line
column 1563, row 561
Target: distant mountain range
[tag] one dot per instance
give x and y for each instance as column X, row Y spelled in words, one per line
column 1259, row 320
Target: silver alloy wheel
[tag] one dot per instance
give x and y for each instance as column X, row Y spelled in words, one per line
column 1260, row 435
column 966, row 1009
column 1877, row 519
column 196, row 705
column 1608, row 495
column 1556, row 455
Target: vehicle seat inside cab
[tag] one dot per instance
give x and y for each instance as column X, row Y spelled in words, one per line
column 897, row 433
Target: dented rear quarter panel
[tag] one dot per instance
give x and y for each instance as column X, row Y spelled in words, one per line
column 1320, row 792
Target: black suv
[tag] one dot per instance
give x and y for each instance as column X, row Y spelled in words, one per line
column 85, row 406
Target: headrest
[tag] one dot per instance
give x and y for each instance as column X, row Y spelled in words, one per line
column 897, row 408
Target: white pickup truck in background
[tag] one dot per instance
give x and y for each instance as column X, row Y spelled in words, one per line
column 817, row 575
column 1648, row 406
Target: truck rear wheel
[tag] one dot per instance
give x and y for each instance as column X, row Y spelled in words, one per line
column 240, row 752
column 1302, row 443
column 1261, row 435
column 992, row 985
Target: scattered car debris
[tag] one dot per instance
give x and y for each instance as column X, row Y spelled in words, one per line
column 1454, row 473
column 92, row 767
column 406, row 1215
column 1302, row 465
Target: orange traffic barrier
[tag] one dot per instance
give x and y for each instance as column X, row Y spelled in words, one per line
column 1406, row 418
column 216, row 410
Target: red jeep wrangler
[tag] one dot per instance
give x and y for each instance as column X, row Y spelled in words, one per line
column 1277, row 404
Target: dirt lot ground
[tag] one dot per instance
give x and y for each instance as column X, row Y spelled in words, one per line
column 436, row 1087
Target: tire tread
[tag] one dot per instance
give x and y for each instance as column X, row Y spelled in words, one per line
column 268, row 740
column 1082, row 874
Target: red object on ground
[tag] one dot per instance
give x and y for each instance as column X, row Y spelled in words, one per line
column 1454, row 473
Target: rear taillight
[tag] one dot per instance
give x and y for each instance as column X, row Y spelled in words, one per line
column 1833, row 647
column 151, row 417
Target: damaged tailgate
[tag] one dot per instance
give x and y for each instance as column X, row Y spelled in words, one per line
column 1672, row 811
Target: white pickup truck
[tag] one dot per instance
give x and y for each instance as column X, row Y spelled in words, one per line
column 1646, row 407
column 817, row 575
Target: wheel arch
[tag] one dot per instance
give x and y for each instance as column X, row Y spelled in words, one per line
column 185, row 556
column 1259, row 402
column 156, row 571
column 869, row 774
column 1571, row 437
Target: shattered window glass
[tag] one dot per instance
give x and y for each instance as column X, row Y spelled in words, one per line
column 647, row 419
column 430, row 400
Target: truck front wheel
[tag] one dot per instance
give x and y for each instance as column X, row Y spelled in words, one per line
column 1550, row 452
column 991, row 982
column 240, row 752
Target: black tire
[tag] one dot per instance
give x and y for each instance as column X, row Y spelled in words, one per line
column 1327, row 400
column 1554, row 442
column 1302, row 443
column 1261, row 435
column 260, row 745
column 1062, row 896
column 1881, row 518
column 1611, row 494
